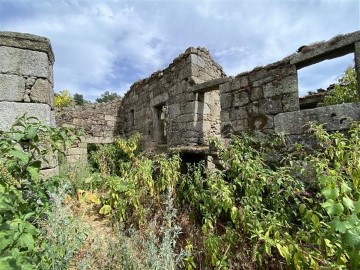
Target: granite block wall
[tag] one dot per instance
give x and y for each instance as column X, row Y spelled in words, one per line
column 101, row 122
column 164, row 109
column 181, row 106
column 26, row 82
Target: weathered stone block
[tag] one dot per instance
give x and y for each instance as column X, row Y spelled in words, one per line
column 195, row 59
column 240, row 125
column 12, row 87
column 9, row 111
column 357, row 65
column 225, row 116
column 284, row 86
column 226, row 101
column 225, row 87
column 335, row 117
column 256, row 94
column 241, row 99
column 47, row 173
column 263, row 81
column 24, row 62
column 290, row 102
column 42, row 92
column 261, row 121
column 238, row 113
column 270, row 105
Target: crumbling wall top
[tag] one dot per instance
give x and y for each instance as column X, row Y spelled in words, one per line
column 200, row 51
column 318, row 51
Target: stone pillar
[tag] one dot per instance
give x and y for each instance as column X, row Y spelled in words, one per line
column 357, row 65
column 26, row 80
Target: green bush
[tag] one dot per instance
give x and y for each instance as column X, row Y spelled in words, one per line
column 24, row 195
column 345, row 90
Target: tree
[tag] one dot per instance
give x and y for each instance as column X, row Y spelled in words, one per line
column 79, row 99
column 63, row 99
column 345, row 90
column 107, row 96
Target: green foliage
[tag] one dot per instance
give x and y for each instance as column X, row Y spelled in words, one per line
column 345, row 89
column 130, row 192
column 79, row 99
column 107, row 96
column 258, row 201
column 272, row 205
column 24, row 195
column 63, row 99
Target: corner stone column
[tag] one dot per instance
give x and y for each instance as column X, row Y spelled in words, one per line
column 357, row 66
column 26, row 82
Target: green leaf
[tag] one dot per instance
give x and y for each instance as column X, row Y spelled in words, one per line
column 357, row 206
column 302, row 208
column 348, row 203
column 17, row 136
column 333, row 209
column 105, row 210
column 20, row 155
column 315, row 220
column 31, row 133
column 339, row 226
column 5, row 263
column 345, row 188
column 284, row 251
column 330, row 193
column 34, row 172
column 26, row 240
column 353, row 220
column 352, row 238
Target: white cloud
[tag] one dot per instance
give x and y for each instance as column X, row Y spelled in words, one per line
column 107, row 45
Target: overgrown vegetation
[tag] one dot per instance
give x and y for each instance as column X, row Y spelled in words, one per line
column 273, row 205
column 25, row 200
column 345, row 89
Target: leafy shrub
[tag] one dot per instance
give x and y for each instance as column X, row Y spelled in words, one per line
column 345, row 89
column 63, row 99
column 258, row 202
column 24, row 195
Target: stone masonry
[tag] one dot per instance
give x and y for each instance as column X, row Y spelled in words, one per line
column 190, row 101
column 26, row 81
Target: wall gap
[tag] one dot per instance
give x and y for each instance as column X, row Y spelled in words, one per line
column 160, row 133
column 317, row 80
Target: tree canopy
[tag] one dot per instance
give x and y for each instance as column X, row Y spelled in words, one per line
column 107, row 96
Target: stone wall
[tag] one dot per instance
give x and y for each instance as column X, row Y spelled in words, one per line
column 26, row 78
column 267, row 98
column 165, row 110
column 252, row 99
column 26, row 81
column 192, row 100
column 100, row 121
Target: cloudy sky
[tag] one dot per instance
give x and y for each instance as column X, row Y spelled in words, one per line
column 104, row 45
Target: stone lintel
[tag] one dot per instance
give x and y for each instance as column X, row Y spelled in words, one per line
column 317, row 52
column 209, row 85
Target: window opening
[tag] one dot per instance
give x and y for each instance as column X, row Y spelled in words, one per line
column 132, row 117
column 161, row 123
column 323, row 83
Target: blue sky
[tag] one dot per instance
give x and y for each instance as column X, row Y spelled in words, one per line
column 110, row 44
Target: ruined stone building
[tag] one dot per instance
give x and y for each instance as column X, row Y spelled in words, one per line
column 190, row 101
